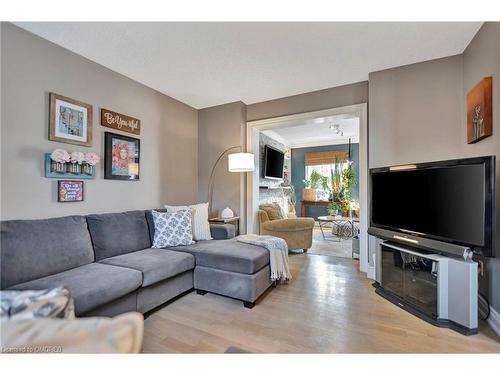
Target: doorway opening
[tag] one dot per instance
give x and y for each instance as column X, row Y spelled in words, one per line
column 325, row 176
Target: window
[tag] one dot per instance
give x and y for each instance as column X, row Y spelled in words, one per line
column 323, row 170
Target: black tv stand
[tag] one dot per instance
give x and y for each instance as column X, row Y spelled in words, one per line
column 442, row 323
column 439, row 289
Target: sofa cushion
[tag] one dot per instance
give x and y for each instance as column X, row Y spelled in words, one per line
column 119, row 233
column 32, row 249
column 91, row 285
column 155, row 264
column 228, row 255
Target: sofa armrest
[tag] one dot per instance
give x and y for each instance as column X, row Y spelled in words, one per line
column 221, row 231
column 289, row 225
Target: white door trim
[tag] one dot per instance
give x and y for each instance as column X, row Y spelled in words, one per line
column 252, row 186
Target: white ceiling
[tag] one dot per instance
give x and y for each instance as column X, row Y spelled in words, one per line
column 206, row 64
column 317, row 132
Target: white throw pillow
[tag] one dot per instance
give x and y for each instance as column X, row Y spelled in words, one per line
column 172, row 228
column 201, row 226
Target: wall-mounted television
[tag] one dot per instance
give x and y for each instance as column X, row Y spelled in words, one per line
column 273, row 163
column 451, row 201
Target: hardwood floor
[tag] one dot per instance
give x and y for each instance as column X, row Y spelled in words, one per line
column 329, row 307
column 331, row 245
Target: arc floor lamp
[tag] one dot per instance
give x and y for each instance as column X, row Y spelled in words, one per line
column 237, row 162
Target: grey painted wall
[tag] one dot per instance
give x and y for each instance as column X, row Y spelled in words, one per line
column 481, row 59
column 298, row 173
column 31, row 68
column 417, row 113
column 340, row 96
column 219, row 128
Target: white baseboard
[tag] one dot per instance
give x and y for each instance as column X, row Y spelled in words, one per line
column 370, row 273
column 494, row 320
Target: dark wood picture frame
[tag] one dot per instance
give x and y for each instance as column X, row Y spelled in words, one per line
column 60, row 195
column 109, row 172
column 480, row 111
column 54, row 135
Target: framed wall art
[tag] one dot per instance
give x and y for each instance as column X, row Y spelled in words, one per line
column 70, row 191
column 121, row 157
column 70, row 121
column 480, row 111
column 54, row 169
column 121, row 122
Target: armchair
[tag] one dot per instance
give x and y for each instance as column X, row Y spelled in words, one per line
column 297, row 232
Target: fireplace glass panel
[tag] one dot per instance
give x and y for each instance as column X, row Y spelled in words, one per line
column 412, row 278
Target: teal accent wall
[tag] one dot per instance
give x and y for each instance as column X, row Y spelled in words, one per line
column 298, row 171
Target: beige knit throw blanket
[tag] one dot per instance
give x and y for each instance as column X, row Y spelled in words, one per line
column 278, row 255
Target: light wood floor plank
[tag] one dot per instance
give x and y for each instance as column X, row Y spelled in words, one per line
column 328, row 307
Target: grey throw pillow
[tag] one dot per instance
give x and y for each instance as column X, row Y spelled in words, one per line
column 172, row 228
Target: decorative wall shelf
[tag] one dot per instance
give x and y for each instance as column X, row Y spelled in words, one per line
column 275, row 187
column 51, row 170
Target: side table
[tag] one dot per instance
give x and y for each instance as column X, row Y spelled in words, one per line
column 235, row 220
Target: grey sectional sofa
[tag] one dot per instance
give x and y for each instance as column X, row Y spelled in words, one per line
column 108, row 264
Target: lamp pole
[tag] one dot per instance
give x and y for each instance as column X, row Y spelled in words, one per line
column 212, row 176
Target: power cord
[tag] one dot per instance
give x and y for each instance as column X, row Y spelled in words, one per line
column 482, row 299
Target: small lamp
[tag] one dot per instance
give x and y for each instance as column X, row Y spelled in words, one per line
column 237, row 162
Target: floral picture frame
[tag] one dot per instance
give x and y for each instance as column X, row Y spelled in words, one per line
column 121, row 157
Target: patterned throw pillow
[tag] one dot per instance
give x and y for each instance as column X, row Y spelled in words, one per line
column 172, row 228
column 201, row 226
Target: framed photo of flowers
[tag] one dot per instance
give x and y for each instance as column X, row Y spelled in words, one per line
column 70, row 121
column 70, row 191
column 121, row 157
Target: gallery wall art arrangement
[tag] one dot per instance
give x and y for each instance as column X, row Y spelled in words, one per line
column 70, row 121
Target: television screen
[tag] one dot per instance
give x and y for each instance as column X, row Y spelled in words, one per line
column 273, row 163
column 451, row 201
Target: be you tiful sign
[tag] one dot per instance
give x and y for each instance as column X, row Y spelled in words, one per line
column 121, row 122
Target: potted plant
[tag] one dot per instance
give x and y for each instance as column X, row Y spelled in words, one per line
column 310, row 192
column 325, row 187
column 334, row 209
column 343, row 180
column 59, row 158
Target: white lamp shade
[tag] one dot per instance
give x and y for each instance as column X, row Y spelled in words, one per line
column 241, row 162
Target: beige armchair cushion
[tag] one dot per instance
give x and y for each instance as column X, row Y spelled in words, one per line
column 289, row 225
column 296, row 232
column 273, row 211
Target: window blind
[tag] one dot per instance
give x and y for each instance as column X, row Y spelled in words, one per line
column 325, row 157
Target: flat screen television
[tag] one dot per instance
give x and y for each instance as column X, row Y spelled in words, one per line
column 273, row 163
column 450, row 201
